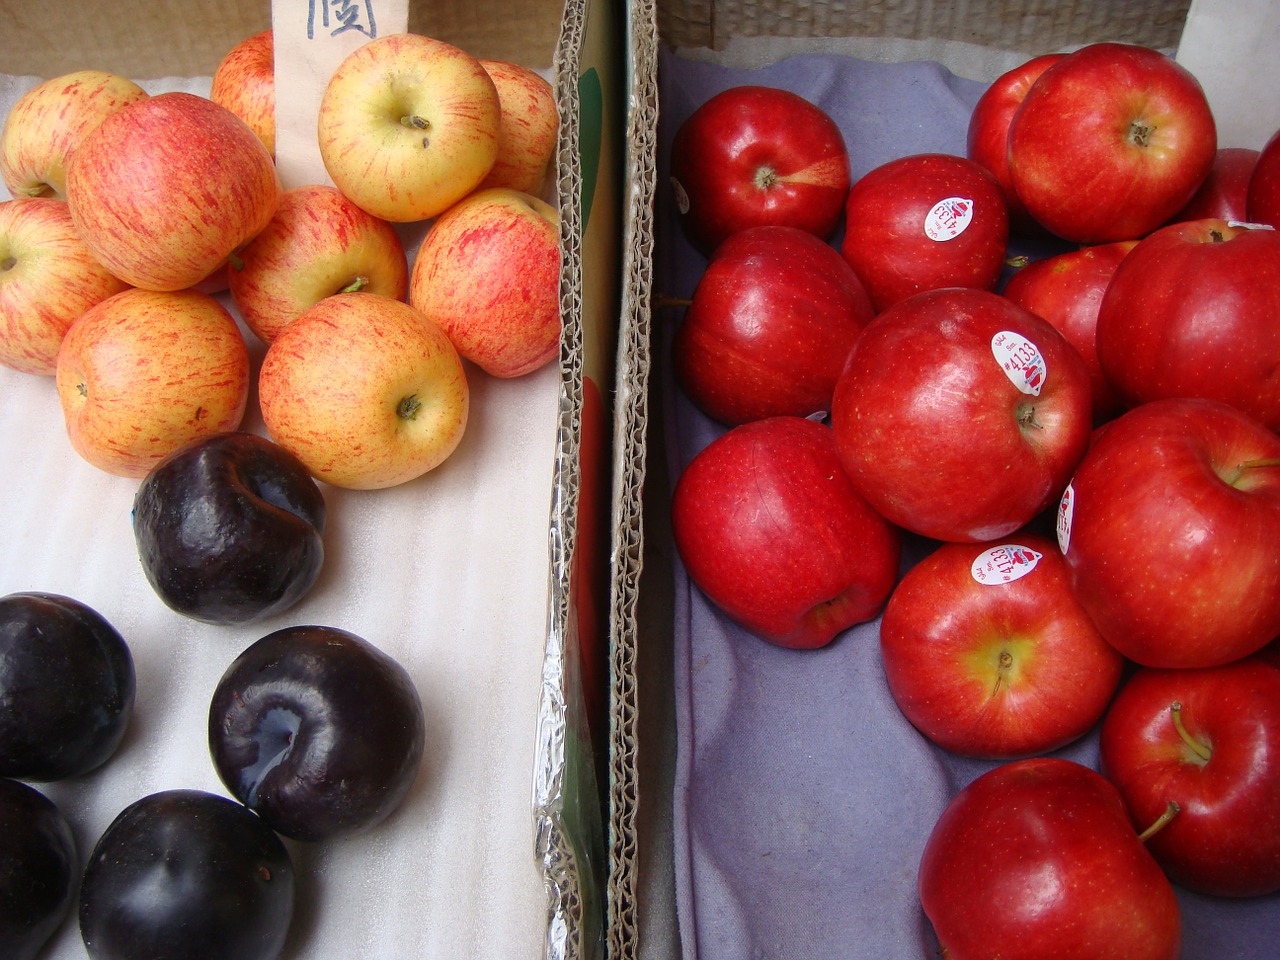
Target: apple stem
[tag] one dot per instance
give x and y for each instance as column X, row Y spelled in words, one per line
column 1197, row 747
column 1027, row 417
column 665, row 301
column 413, row 120
column 1018, row 262
column 236, row 262
column 1162, row 821
column 766, row 178
column 407, row 408
column 355, row 285
column 1246, row 465
column 1140, row 134
column 8, row 263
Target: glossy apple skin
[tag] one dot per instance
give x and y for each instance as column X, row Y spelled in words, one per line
column 1191, row 313
column 772, row 319
column 230, row 529
column 1170, row 539
column 1110, row 142
column 67, row 686
column 1262, row 201
column 1037, row 858
column 1066, row 289
column 244, row 81
column 1225, row 839
column 987, row 136
column 772, row 532
column 39, row 870
column 934, row 432
column 754, row 155
column 924, row 222
column 186, row 873
column 318, row 731
column 998, row 663
column 1224, row 194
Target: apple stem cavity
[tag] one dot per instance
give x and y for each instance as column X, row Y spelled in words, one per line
column 766, row 178
column 8, row 263
column 1162, row 821
column 1198, row 747
column 1027, row 417
column 407, row 408
column 1140, row 133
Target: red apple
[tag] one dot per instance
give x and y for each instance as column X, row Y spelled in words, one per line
column 1225, row 191
column 988, row 653
column 987, row 136
column 772, row 319
column 772, row 532
column 1037, row 858
column 1191, row 312
column 528, row 128
column 960, row 416
column 1262, row 201
column 1066, row 289
column 1110, row 142
column 244, row 82
column 922, row 222
column 1169, row 528
column 1208, row 740
column 754, row 155
column 164, row 189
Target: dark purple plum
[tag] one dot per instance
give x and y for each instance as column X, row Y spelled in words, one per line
column 67, row 686
column 230, row 528
column 38, row 870
column 317, row 730
column 187, row 873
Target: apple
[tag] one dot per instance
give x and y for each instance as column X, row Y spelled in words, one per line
column 987, row 135
column 48, row 278
column 1037, row 858
column 488, row 274
column 923, row 222
column 166, row 188
column 988, row 653
column 365, row 391
column 144, row 372
column 408, row 126
column 1209, row 741
column 46, row 125
column 771, row 321
column 1110, row 142
column 317, row 244
column 1169, row 527
column 1191, row 313
column 959, row 415
column 772, row 532
column 244, row 81
column 1066, row 289
column 1262, row 199
column 41, row 870
column 754, row 155
column 529, row 128
column 230, row 528
column 1224, row 193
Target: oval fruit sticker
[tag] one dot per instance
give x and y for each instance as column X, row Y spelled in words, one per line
column 1066, row 513
column 1004, row 564
column 1021, row 361
column 948, row 219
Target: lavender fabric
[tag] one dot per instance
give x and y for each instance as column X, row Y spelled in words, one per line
column 802, row 798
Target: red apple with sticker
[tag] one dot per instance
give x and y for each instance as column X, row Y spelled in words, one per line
column 530, row 124
column 771, row 321
column 774, row 535
column 317, row 244
column 1262, row 199
column 47, row 123
column 1067, row 289
column 1037, row 858
column 166, row 188
column 752, row 156
column 988, row 653
column 960, row 416
column 924, row 222
column 1169, row 529
column 1209, row 741
column 244, row 81
column 1110, row 142
column 1224, row 194
column 1191, row 313
column 48, row 278
column 987, row 136
column 144, row 372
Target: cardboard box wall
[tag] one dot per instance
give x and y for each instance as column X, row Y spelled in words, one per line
column 552, row 751
column 1225, row 44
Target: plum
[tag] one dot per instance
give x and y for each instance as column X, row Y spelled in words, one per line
column 38, row 869
column 67, row 687
column 317, row 730
column 187, row 873
column 230, row 528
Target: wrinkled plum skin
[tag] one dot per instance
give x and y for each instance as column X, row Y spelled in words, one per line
column 230, row 529
column 38, row 870
column 67, row 686
column 317, row 730
column 186, row 873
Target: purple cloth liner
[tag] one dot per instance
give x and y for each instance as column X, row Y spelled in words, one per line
column 803, row 798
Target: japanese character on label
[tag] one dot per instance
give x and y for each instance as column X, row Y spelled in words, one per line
column 341, row 16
